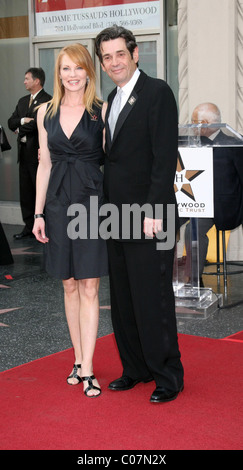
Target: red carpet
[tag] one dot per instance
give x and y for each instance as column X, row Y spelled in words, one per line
column 236, row 337
column 40, row 411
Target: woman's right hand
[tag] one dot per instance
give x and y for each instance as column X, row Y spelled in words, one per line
column 39, row 230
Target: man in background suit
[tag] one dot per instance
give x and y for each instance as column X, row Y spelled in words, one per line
column 140, row 165
column 23, row 123
column 228, row 180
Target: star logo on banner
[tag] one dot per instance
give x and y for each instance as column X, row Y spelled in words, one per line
column 184, row 178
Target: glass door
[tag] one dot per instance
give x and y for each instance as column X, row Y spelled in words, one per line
column 150, row 61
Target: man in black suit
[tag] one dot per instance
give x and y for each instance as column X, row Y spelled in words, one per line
column 23, row 123
column 140, row 165
column 228, row 180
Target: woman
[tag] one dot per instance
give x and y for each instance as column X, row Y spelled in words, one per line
column 71, row 135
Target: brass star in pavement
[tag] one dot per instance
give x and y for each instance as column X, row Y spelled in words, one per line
column 22, row 251
column 6, row 310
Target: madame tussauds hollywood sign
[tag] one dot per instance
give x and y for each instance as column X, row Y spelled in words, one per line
column 54, row 18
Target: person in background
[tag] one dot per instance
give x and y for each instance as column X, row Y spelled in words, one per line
column 227, row 180
column 5, row 252
column 23, row 123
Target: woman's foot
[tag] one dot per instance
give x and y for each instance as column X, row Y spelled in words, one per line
column 75, row 377
column 91, row 386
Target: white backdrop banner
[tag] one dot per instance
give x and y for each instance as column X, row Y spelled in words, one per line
column 194, row 182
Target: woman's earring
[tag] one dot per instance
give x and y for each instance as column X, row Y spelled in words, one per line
column 87, row 80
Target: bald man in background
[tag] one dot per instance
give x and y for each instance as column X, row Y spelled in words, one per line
column 228, row 180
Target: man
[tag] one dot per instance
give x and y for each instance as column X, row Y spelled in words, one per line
column 23, row 123
column 141, row 155
column 228, row 180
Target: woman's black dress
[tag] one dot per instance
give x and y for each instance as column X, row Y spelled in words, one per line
column 74, row 196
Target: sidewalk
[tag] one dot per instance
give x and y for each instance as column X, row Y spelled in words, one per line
column 32, row 317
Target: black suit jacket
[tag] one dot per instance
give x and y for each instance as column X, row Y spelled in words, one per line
column 228, row 183
column 141, row 159
column 29, row 130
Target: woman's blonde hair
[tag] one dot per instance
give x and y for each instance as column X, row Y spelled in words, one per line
column 80, row 56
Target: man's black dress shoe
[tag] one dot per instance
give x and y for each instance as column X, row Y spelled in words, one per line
column 125, row 383
column 23, row 234
column 161, row 395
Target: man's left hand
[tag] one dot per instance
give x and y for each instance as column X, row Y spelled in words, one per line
column 152, row 226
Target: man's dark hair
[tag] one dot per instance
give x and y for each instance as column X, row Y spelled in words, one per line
column 115, row 32
column 37, row 73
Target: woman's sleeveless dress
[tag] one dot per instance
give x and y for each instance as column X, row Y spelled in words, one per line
column 74, row 196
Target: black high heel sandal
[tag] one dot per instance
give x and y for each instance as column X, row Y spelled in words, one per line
column 90, row 386
column 74, row 374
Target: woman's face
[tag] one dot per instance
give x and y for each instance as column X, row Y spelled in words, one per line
column 73, row 76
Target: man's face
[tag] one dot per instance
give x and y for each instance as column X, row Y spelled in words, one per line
column 201, row 118
column 117, row 61
column 29, row 82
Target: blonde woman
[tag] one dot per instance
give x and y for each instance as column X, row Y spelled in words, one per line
column 71, row 150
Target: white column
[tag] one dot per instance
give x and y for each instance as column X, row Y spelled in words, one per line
column 211, row 51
